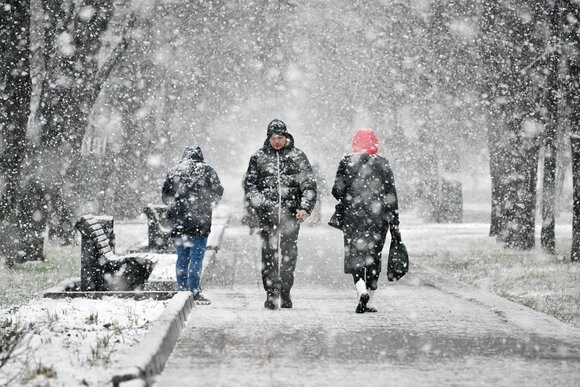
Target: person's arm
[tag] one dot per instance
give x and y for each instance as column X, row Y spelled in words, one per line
column 168, row 190
column 253, row 195
column 307, row 187
column 392, row 204
column 339, row 187
column 215, row 186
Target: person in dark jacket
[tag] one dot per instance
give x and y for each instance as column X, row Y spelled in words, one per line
column 365, row 189
column 280, row 193
column 190, row 190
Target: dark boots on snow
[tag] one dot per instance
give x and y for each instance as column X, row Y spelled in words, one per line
column 286, row 302
column 362, row 303
column 271, row 301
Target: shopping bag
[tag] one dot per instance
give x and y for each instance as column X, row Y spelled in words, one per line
column 398, row 262
column 336, row 220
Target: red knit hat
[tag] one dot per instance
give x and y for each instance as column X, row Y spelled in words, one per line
column 365, row 141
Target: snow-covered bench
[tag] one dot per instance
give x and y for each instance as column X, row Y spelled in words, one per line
column 101, row 268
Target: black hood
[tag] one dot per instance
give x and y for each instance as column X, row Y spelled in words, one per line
column 276, row 127
column 192, row 153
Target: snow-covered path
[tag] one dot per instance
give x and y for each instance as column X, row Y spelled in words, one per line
column 428, row 331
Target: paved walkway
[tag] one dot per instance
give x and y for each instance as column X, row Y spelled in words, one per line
column 429, row 331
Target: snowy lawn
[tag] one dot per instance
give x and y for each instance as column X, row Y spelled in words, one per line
column 73, row 342
column 549, row 284
column 29, row 280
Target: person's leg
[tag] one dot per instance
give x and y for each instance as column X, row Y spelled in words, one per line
column 371, row 281
column 289, row 249
column 270, row 278
column 182, row 262
column 373, row 269
column 197, row 252
column 354, row 264
column 359, row 277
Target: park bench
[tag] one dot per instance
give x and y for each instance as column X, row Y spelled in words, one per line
column 158, row 228
column 101, row 268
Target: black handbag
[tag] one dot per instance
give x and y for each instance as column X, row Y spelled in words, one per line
column 337, row 219
column 398, row 262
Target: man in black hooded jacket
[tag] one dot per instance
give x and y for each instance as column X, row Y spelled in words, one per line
column 190, row 190
column 280, row 193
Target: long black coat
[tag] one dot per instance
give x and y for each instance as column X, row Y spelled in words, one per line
column 278, row 178
column 191, row 189
column 365, row 187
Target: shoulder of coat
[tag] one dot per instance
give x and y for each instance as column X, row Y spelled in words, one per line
column 297, row 151
column 259, row 152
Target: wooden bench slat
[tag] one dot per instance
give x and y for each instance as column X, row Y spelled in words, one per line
column 104, row 249
column 90, row 221
column 103, row 244
column 98, row 233
column 101, row 238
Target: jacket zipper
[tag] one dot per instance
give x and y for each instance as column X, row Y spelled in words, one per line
column 279, row 191
column 279, row 224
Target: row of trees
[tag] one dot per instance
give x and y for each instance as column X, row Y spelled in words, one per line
column 530, row 52
column 431, row 75
column 40, row 174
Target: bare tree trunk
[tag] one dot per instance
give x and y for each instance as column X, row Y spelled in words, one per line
column 67, row 94
column 15, row 92
column 520, row 205
column 14, row 95
column 575, row 147
column 572, row 11
column 497, row 169
column 548, row 234
column 72, row 42
column 490, row 53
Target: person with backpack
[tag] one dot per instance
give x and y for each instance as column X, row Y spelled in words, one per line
column 368, row 208
column 191, row 189
column 280, row 193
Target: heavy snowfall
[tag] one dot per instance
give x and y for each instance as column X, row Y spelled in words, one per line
column 475, row 105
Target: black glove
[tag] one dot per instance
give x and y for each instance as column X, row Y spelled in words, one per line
column 395, row 234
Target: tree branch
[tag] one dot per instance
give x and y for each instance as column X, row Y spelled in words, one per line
column 106, row 69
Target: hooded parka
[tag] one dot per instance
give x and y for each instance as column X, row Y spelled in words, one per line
column 277, row 184
column 190, row 190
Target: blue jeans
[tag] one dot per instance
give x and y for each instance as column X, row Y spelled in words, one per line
column 190, row 252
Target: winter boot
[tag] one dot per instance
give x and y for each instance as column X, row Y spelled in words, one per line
column 363, row 296
column 286, row 302
column 199, row 299
column 271, row 301
column 369, row 308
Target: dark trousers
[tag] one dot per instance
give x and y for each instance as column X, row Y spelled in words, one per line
column 279, row 279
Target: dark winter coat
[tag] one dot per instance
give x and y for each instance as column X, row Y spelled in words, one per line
column 365, row 186
column 191, row 189
column 365, row 189
column 278, row 179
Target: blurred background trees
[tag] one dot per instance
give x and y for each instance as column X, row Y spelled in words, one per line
column 455, row 90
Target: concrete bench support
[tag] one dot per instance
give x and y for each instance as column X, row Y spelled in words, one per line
column 158, row 227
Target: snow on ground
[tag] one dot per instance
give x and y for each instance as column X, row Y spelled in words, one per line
column 74, row 342
column 547, row 283
column 77, row 342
